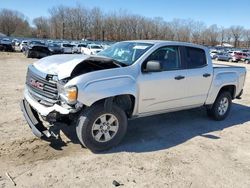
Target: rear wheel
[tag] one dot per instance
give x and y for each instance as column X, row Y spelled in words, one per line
column 221, row 106
column 98, row 129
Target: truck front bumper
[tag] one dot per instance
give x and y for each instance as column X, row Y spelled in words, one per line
column 32, row 119
column 43, row 110
column 31, row 110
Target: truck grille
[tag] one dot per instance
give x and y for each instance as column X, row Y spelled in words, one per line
column 44, row 90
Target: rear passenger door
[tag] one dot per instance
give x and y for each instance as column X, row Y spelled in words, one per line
column 198, row 76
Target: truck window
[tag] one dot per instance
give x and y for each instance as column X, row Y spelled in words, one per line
column 195, row 57
column 168, row 57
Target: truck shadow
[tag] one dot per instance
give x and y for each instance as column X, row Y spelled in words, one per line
column 168, row 130
column 163, row 131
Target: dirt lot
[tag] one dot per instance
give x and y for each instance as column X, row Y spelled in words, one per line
column 183, row 149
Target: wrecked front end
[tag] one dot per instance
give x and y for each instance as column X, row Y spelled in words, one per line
column 48, row 97
column 42, row 102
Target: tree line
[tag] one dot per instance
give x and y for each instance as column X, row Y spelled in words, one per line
column 76, row 23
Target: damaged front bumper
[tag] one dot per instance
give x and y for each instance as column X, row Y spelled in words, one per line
column 31, row 110
column 33, row 120
column 43, row 110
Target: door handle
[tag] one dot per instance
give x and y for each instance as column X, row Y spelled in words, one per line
column 179, row 77
column 206, row 75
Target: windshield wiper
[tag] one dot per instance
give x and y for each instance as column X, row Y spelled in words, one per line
column 120, row 64
column 117, row 63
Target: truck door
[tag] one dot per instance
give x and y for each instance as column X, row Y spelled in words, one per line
column 199, row 75
column 165, row 89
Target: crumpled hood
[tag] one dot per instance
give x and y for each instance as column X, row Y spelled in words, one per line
column 60, row 65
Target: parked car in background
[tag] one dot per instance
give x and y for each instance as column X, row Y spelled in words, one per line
column 213, row 54
column 92, row 49
column 235, row 56
column 78, row 48
column 16, row 42
column 55, row 48
column 222, row 56
column 36, row 49
column 246, row 57
column 246, row 50
column 22, row 45
column 49, row 41
column 67, row 48
column 6, row 45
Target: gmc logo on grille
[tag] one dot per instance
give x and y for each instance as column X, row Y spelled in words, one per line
column 36, row 84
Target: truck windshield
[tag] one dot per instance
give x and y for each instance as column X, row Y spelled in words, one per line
column 126, row 52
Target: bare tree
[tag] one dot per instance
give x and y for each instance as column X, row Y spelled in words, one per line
column 222, row 35
column 42, row 27
column 11, row 21
column 96, row 26
column 197, row 31
column 247, row 38
column 58, row 21
column 237, row 32
column 211, row 35
column 79, row 22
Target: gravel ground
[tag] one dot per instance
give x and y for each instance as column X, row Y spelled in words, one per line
column 182, row 149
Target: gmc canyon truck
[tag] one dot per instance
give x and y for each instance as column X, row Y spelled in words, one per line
column 98, row 94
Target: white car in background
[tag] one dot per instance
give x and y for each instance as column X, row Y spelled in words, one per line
column 67, row 48
column 23, row 44
column 92, row 49
column 78, row 48
column 213, row 54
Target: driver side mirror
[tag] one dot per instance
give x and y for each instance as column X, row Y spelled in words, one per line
column 153, row 66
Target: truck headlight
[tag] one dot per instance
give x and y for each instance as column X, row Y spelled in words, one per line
column 69, row 94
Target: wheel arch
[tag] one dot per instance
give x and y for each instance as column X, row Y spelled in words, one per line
column 229, row 88
column 124, row 101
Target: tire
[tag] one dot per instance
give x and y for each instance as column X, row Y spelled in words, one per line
column 230, row 60
column 220, row 111
column 216, row 59
column 247, row 61
column 93, row 117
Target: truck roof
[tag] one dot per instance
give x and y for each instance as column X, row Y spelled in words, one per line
column 169, row 42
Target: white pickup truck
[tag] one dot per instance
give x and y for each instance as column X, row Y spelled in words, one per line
column 97, row 94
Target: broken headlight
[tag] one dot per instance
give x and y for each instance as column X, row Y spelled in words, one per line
column 69, row 94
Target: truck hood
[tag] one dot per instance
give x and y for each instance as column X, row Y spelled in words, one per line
column 60, row 65
column 65, row 66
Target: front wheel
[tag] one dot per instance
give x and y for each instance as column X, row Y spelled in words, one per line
column 98, row 129
column 221, row 106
